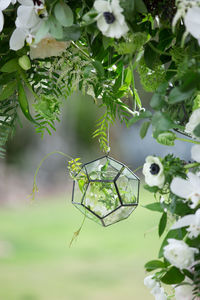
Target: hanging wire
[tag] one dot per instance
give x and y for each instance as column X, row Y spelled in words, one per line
column 108, row 139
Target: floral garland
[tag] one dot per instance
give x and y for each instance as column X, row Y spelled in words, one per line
column 53, row 47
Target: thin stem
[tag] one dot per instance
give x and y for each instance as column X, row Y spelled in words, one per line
column 140, row 167
column 76, row 233
column 35, row 189
column 158, row 51
column 192, row 165
column 83, row 52
column 187, row 140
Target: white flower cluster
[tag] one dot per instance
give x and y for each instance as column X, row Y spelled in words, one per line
column 156, row 290
column 27, row 23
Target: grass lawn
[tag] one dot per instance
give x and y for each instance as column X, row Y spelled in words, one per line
column 36, row 262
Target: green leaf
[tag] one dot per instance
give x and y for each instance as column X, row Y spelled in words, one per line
column 55, row 29
column 64, row 14
column 157, row 101
column 161, row 122
column 24, row 102
column 143, row 115
column 8, row 90
column 176, row 95
column 144, row 128
column 153, row 265
column 173, row 276
column 99, row 68
column 162, row 224
column 150, row 56
column 154, row 207
column 140, row 6
column 196, row 131
column 11, row 66
column 42, row 31
column 71, row 33
column 166, row 138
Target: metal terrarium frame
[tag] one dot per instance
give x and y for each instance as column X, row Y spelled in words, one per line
column 106, row 190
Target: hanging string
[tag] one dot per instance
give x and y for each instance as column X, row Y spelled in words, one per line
column 108, row 139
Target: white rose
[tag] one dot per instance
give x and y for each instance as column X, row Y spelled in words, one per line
column 153, row 172
column 110, row 19
column 193, row 121
column 150, row 282
column 184, row 292
column 179, row 254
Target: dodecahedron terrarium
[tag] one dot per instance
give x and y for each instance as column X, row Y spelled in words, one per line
column 106, row 191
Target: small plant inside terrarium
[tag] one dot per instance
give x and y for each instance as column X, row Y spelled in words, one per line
column 106, row 191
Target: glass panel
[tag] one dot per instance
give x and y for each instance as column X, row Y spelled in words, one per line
column 128, row 188
column 118, row 215
column 89, row 215
column 101, row 170
column 80, row 186
column 101, row 198
column 129, row 174
column 116, row 165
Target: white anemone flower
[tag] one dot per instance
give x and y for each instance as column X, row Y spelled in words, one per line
column 192, row 22
column 193, row 122
column 179, row 254
column 153, row 172
column 110, row 20
column 188, row 189
column 195, row 153
column 3, row 5
column 193, row 221
column 27, row 23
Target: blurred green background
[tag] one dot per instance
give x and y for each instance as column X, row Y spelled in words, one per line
column 36, row 262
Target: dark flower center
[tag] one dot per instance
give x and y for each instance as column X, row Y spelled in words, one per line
column 37, row 2
column 109, row 17
column 154, row 169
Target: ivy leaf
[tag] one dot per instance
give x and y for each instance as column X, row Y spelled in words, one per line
column 63, row 14
column 154, row 207
column 162, row 224
column 154, row 264
column 173, row 276
column 161, row 122
column 144, row 128
column 176, row 95
column 196, row 131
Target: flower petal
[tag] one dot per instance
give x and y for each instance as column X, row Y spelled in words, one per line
column 17, row 39
column 183, row 222
column 181, row 187
column 1, row 20
column 195, row 153
column 102, row 6
column 101, row 24
column 4, row 4
column 192, row 21
column 27, row 16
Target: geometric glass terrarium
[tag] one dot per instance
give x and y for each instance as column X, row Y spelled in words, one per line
column 105, row 191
